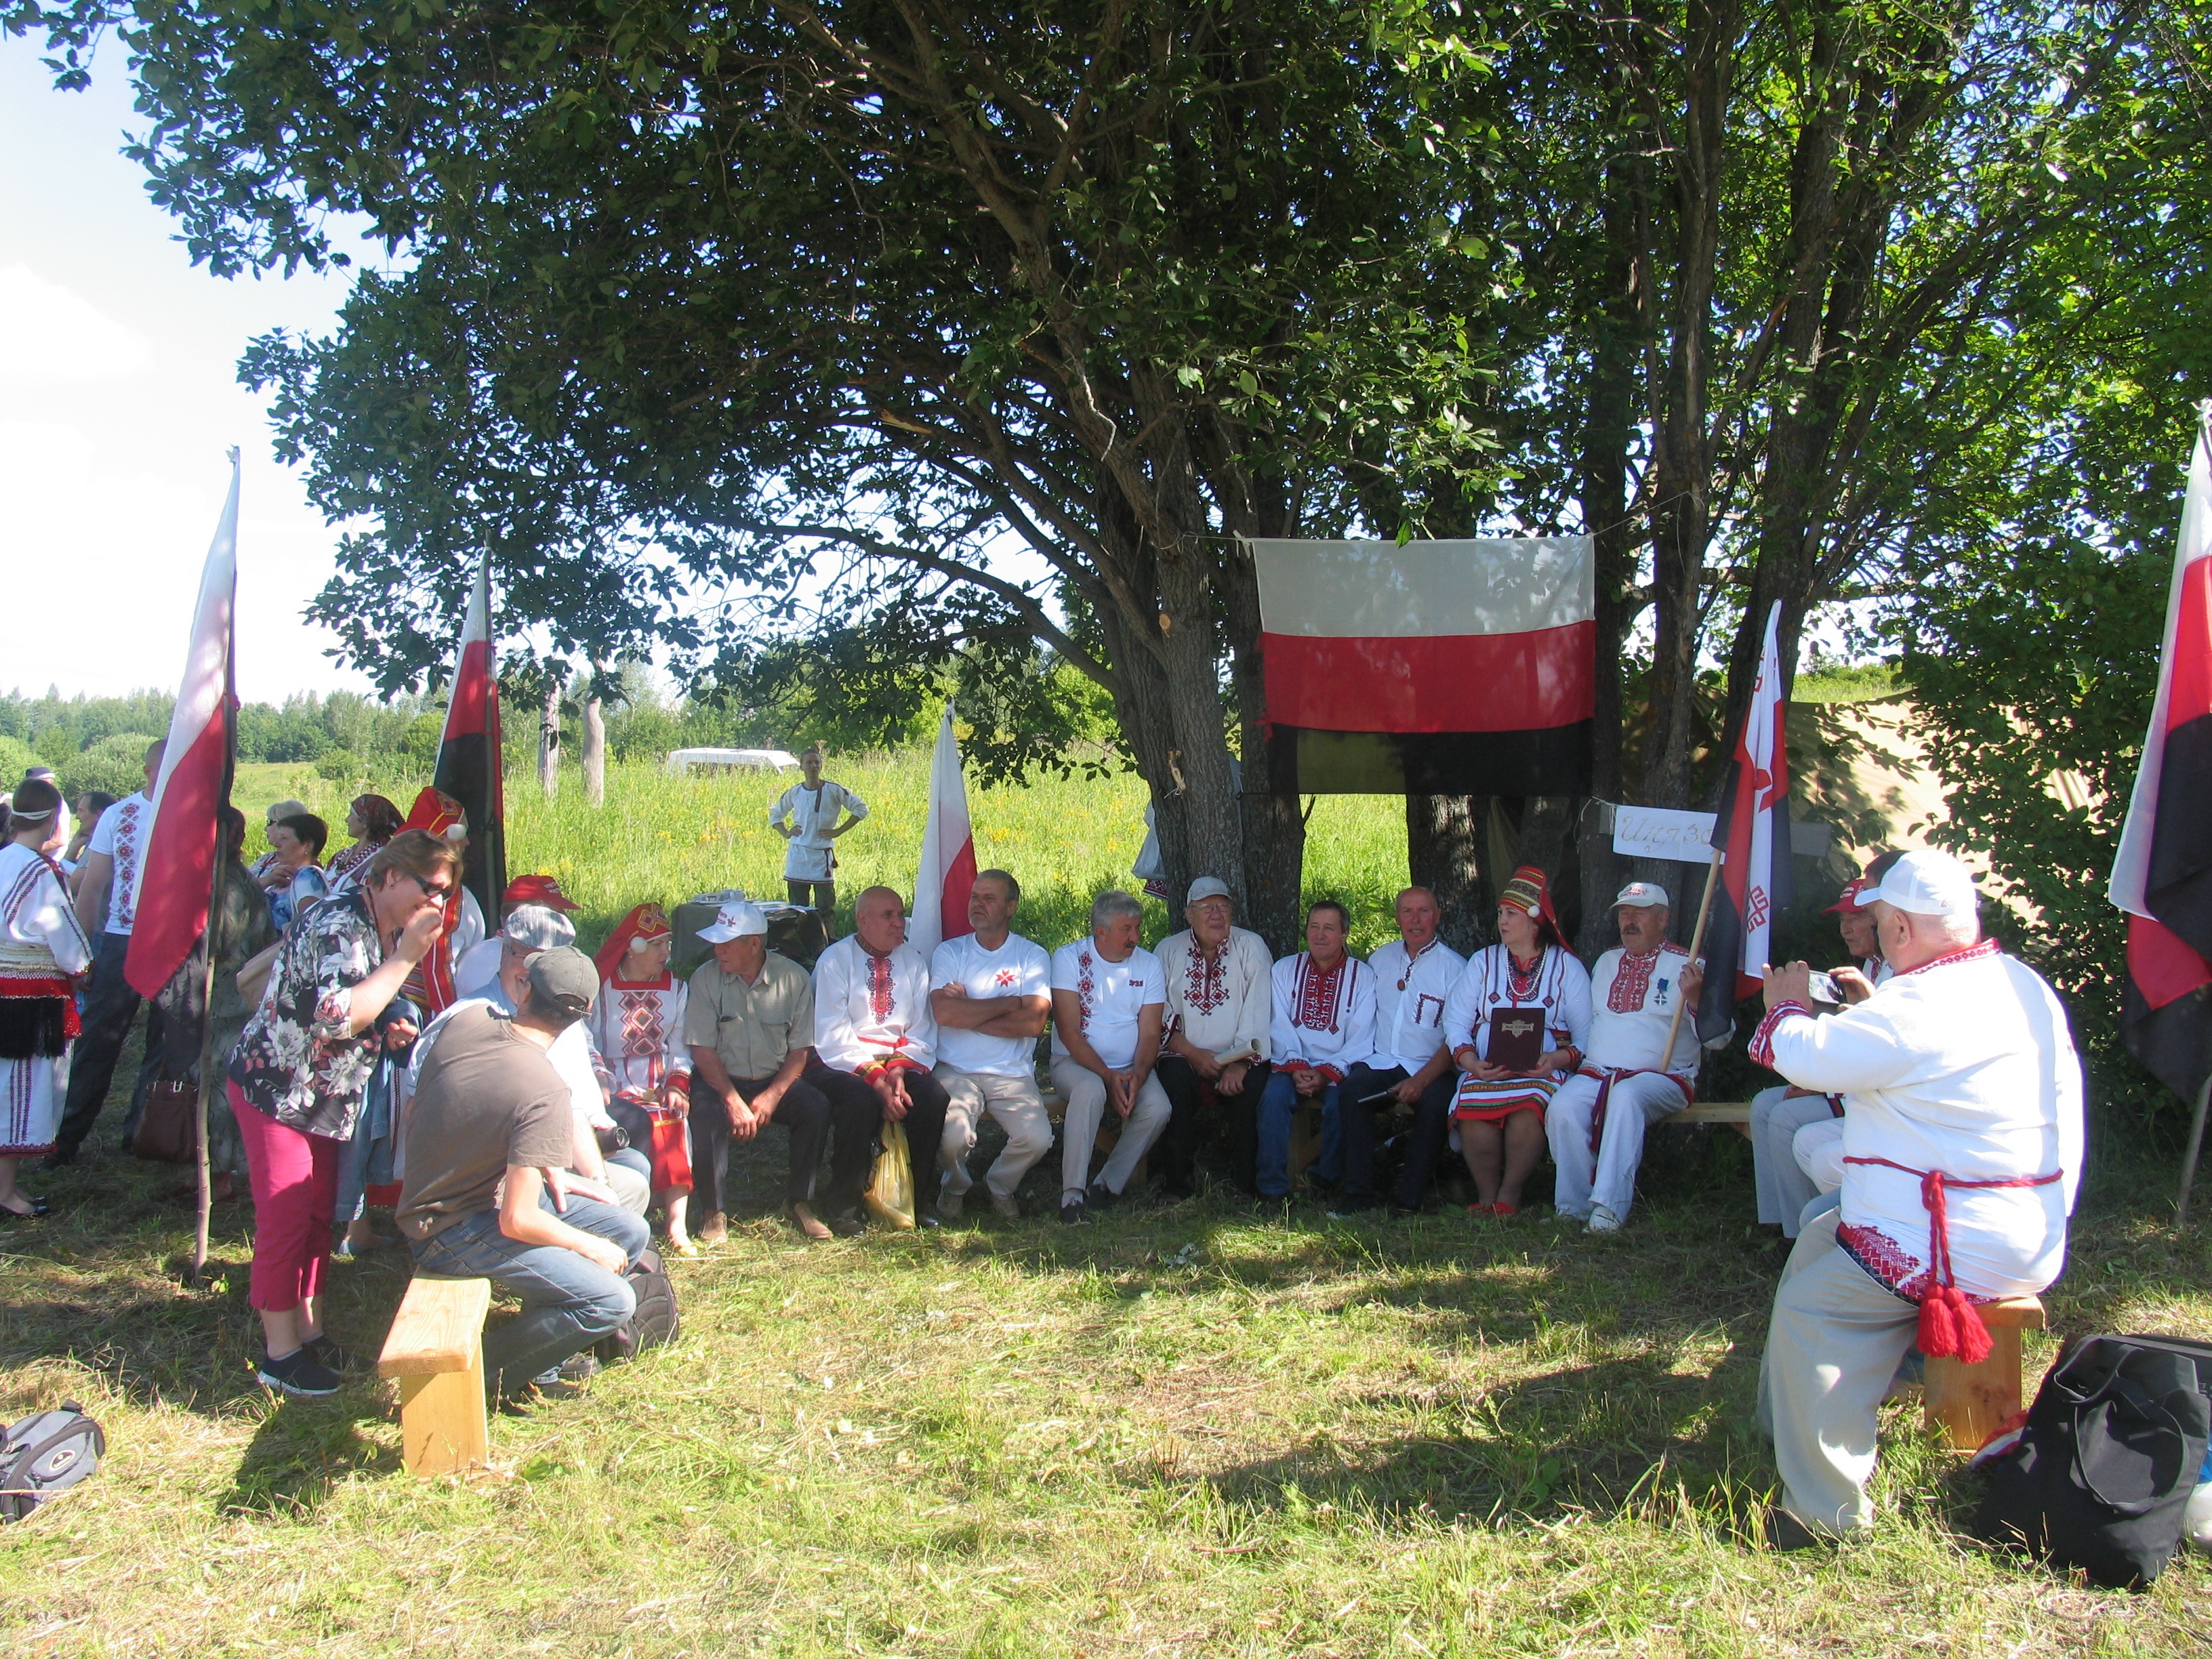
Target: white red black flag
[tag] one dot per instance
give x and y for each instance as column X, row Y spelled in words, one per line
column 1752, row 832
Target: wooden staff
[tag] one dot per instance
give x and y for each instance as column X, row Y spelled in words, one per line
column 207, row 1064
column 1697, row 939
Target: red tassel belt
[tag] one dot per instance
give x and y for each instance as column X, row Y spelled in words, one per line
column 1949, row 1322
column 1606, row 1076
column 56, row 988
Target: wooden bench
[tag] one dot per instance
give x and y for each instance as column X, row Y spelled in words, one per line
column 1107, row 1137
column 1736, row 1114
column 1970, row 1402
column 435, row 1351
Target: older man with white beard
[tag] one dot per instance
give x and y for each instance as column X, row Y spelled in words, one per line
column 1962, row 1153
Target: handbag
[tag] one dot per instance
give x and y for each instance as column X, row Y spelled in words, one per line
column 2107, row 1460
column 168, row 1129
column 671, row 1151
column 889, row 1197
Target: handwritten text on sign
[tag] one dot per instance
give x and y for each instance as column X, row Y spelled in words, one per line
column 1661, row 832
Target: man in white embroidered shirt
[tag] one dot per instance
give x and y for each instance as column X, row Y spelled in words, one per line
column 1596, row 1121
column 1107, row 1016
column 992, row 993
column 1962, row 1151
column 876, row 1039
column 1411, row 1064
column 1324, row 1021
column 807, row 815
column 1220, row 997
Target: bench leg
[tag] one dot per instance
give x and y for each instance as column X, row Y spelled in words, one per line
column 443, row 1425
column 1970, row 1401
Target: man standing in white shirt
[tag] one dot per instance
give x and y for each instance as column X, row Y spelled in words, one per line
column 992, row 994
column 1109, row 1010
column 1323, row 1024
column 876, row 1038
column 1962, row 1154
column 1596, row 1121
column 1411, row 1066
column 107, row 904
column 806, row 815
column 1220, row 997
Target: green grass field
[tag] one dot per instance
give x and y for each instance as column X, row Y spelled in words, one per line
column 1208, row 1429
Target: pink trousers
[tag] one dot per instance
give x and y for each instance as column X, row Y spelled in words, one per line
column 295, row 1197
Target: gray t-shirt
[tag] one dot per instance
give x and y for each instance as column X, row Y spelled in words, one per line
column 486, row 1098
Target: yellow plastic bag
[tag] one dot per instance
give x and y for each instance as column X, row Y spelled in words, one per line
column 889, row 1197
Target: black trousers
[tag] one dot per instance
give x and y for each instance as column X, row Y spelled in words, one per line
column 803, row 1111
column 819, row 896
column 1175, row 1156
column 1423, row 1142
column 110, row 1005
column 855, row 1102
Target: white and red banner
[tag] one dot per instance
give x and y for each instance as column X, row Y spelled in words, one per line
column 1444, row 666
column 2162, row 874
column 177, row 871
column 947, row 875
column 1752, row 832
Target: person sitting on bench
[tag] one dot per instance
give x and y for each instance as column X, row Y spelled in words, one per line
column 1412, row 1065
column 1220, row 997
column 1962, row 1151
column 1324, row 1021
column 486, row 1195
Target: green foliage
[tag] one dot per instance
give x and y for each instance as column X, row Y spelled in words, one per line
column 16, row 757
column 116, row 764
column 339, row 765
column 55, row 727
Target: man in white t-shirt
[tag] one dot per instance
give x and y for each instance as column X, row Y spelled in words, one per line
column 991, row 993
column 1109, row 1007
column 107, row 904
column 806, row 815
column 1411, row 1064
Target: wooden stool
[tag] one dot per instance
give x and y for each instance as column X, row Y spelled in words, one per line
column 436, row 1350
column 1969, row 1402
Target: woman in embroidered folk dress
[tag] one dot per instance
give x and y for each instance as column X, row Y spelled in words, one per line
column 299, row 1075
column 1530, row 979
column 42, row 950
column 371, row 820
column 636, row 1028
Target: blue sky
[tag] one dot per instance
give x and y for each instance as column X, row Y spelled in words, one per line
column 118, row 396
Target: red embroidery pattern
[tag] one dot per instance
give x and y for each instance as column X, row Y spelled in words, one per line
column 1206, row 979
column 1003, row 978
column 1319, row 992
column 879, row 986
column 1631, row 980
column 1085, row 991
column 1762, row 1040
column 1973, row 952
column 1883, row 1257
column 123, row 907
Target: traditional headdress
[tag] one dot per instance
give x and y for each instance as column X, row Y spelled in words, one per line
column 1530, row 893
column 438, row 813
column 647, row 923
column 431, row 983
column 380, row 819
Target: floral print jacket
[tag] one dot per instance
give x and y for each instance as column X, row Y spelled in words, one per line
column 298, row 1061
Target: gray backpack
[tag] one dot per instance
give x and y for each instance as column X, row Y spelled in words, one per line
column 45, row 1453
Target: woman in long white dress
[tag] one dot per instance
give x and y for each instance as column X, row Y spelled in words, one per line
column 42, row 951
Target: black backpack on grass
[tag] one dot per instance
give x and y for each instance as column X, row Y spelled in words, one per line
column 656, row 1321
column 45, row 1453
column 2106, row 1463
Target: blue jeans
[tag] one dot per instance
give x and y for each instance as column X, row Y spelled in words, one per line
column 567, row 1302
column 1277, row 1106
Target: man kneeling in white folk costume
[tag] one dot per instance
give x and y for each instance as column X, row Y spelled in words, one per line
column 1962, row 1151
column 1596, row 1119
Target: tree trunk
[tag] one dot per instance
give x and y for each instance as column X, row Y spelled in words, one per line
column 548, row 739
column 1447, row 852
column 1274, row 827
column 595, row 753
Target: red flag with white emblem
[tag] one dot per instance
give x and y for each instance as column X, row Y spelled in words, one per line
column 1752, row 829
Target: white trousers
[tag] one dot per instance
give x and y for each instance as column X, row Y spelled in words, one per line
column 1832, row 1346
column 1608, row 1179
column 1819, row 1150
column 1084, row 1091
column 1017, row 1105
column 1784, row 1187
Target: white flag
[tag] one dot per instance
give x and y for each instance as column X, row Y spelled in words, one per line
column 948, row 850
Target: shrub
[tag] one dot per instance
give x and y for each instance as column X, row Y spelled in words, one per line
column 117, row 764
column 339, row 766
column 16, row 757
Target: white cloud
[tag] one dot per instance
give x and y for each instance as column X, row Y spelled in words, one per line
column 49, row 336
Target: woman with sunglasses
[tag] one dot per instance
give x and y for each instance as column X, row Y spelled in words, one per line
column 299, row 1075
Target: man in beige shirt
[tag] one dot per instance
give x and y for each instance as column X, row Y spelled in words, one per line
column 749, row 1020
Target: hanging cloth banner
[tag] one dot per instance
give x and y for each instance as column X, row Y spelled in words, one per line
column 1449, row 667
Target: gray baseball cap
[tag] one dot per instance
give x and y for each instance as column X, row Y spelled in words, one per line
column 565, row 977
column 1207, row 887
column 540, row 927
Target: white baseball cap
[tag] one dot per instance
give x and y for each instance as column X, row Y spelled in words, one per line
column 1207, row 887
column 1642, row 895
column 1925, row 883
column 740, row 920
column 540, row 927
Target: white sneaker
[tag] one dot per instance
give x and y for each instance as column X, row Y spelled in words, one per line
column 2196, row 1520
column 1603, row 1220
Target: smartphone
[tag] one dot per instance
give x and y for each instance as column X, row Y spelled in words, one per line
column 1825, row 990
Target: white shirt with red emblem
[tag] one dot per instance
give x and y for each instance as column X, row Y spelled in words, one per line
column 1410, row 994
column 1112, row 996
column 1221, row 1003
column 1963, row 1065
column 1324, row 1019
column 1632, row 1002
column 1017, row 967
column 121, row 833
column 869, row 1009
column 637, row 1033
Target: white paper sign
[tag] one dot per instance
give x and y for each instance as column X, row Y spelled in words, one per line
column 1662, row 832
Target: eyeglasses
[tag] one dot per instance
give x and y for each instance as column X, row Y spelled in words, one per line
column 440, row 893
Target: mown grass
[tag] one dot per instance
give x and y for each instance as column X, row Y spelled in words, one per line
column 1210, row 1429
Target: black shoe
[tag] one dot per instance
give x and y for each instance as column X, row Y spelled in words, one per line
column 847, row 1225
column 1100, row 1197
column 298, row 1373
column 329, row 1355
column 929, row 1218
column 1351, row 1209
column 1172, row 1193
column 9, row 1216
column 578, row 1368
column 1071, row 1212
column 60, row 1158
column 1785, row 1532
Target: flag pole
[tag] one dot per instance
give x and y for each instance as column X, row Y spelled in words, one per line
column 207, row 1067
column 2188, row 1158
column 1697, row 940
